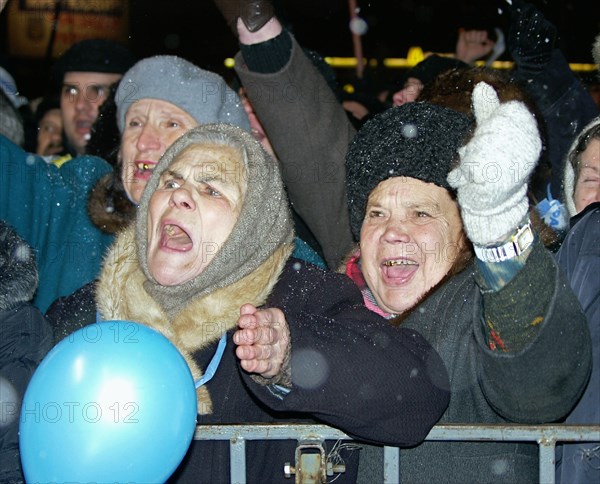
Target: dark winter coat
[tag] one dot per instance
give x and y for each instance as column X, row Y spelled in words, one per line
column 25, row 339
column 579, row 258
column 538, row 384
column 373, row 381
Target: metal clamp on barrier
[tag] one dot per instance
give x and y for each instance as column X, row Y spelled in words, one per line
column 312, row 466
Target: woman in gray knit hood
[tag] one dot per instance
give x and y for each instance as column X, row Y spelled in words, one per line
column 208, row 264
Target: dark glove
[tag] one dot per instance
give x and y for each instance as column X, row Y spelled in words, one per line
column 254, row 13
column 531, row 37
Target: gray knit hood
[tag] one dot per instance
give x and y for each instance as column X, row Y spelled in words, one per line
column 264, row 223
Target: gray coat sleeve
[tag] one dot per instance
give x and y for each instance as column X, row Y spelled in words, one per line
column 310, row 132
column 542, row 381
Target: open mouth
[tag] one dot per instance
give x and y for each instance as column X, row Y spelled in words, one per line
column 175, row 238
column 83, row 126
column 144, row 169
column 399, row 270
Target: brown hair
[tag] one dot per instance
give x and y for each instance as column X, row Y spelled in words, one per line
column 453, row 89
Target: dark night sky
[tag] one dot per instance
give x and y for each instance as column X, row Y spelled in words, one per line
column 322, row 25
column 194, row 29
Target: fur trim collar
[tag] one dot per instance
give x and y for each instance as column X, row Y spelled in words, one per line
column 18, row 269
column 109, row 209
column 120, row 295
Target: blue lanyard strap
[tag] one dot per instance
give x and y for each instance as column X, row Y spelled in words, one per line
column 214, row 363
column 212, row 366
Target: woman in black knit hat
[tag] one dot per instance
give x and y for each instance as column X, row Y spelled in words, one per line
column 426, row 194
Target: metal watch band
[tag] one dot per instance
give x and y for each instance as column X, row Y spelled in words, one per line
column 517, row 244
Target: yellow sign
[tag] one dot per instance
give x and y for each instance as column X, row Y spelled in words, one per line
column 30, row 24
column 414, row 56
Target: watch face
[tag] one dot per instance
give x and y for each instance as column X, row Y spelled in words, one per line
column 524, row 238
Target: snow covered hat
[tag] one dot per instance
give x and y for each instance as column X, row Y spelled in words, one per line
column 417, row 140
column 203, row 94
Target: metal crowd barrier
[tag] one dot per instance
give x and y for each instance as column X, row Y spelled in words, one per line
column 311, row 466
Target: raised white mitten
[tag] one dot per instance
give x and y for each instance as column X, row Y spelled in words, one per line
column 491, row 180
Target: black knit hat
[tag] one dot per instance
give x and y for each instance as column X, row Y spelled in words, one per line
column 93, row 55
column 417, row 140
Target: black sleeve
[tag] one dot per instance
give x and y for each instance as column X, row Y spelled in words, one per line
column 269, row 56
column 70, row 313
column 353, row 370
column 25, row 339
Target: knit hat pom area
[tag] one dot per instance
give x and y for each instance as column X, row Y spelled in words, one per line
column 417, row 140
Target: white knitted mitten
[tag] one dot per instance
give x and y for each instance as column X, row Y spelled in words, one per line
column 491, row 180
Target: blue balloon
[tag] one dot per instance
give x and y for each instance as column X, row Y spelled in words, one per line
column 113, row 402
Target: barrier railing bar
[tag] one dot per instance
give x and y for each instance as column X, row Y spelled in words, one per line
column 546, row 437
column 547, row 461
column 268, row 432
column 237, row 459
column 515, row 432
column 391, row 464
column 463, row 432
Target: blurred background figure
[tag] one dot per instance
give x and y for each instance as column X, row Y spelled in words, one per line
column 543, row 71
column 84, row 74
column 422, row 74
column 582, row 169
column 11, row 118
column 49, row 139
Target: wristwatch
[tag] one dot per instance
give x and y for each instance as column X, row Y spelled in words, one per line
column 517, row 244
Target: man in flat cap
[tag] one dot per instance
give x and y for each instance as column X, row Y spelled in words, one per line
column 85, row 73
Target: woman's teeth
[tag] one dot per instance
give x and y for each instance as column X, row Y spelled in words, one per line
column 390, row 263
column 144, row 166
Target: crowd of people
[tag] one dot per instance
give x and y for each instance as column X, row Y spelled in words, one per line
column 427, row 256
